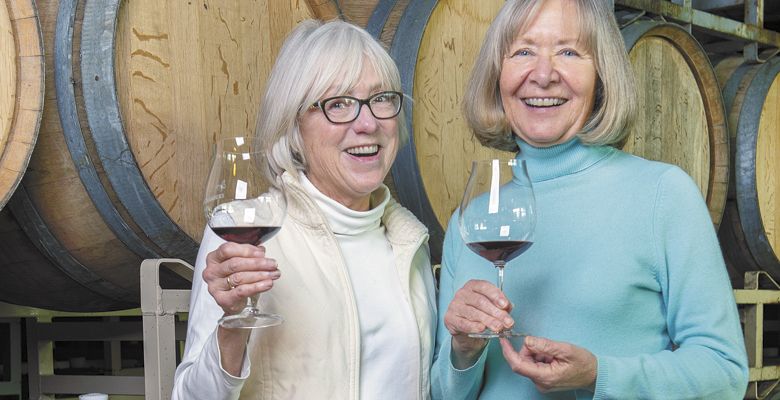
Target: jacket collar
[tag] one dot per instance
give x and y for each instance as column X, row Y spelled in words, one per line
column 401, row 225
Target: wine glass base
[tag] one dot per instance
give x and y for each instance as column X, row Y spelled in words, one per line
column 488, row 334
column 250, row 320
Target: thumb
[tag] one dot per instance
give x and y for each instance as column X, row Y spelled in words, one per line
column 538, row 345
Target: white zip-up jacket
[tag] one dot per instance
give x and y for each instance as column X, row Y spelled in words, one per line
column 315, row 353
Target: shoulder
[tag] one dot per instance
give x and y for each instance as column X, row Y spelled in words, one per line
column 399, row 220
column 654, row 173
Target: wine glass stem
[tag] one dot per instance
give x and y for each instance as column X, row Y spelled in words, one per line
column 500, row 266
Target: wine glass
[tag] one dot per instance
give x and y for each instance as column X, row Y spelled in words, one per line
column 497, row 217
column 244, row 206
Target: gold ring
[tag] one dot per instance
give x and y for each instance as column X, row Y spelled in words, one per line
column 230, row 283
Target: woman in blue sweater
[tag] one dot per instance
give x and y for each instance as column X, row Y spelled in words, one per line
column 625, row 288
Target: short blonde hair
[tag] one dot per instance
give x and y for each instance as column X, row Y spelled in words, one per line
column 615, row 105
column 316, row 57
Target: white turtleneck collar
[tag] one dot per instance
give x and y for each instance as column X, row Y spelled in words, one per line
column 343, row 220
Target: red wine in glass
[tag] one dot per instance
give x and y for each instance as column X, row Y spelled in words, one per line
column 254, row 235
column 500, row 250
column 497, row 217
column 245, row 206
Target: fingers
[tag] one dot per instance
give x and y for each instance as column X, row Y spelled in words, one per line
column 490, row 292
column 238, row 257
column 230, row 259
column 235, row 280
column 236, row 271
column 232, row 301
column 476, row 306
column 529, row 364
column 552, row 365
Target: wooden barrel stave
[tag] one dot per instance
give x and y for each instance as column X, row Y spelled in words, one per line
column 60, row 218
column 23, row 85
column 30, row 279
column 119, row 223
column 116, row 157
column 754, row 94
column 216, row 87
column 682, row 118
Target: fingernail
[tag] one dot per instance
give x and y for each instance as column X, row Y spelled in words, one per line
column 530, row 341
column 509, row 321
column 502, row 302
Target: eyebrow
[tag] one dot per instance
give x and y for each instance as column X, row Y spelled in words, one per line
column 373, row 89
column 531, row 41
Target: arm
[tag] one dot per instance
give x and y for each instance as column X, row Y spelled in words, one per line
column 214, row 365
column 459, row 361
column 702, row 319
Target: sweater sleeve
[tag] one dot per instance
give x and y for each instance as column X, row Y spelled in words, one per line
column 200, row 374
column 447, row 382
column 708, row 360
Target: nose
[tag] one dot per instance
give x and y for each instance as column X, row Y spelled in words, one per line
column 544, row 71
column 365, row 122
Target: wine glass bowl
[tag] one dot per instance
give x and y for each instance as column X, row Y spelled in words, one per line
column 497, row 216
column 243, row 205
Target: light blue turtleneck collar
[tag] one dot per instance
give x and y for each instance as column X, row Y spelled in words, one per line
column 546, row 163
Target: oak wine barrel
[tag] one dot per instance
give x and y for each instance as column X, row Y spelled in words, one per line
column 749, row 236
column 21, row 91
column 682, row 119
column 141, row 91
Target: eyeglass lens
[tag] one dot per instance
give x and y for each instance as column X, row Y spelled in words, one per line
column 383, row 105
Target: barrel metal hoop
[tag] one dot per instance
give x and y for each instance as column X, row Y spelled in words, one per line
column 405, row 169
column 71, row 127
column 731, row 87
column 378, row 19
column 105, row 122
column 708, row 85
column 745, row 167
column 27, row 100
column 36, row 229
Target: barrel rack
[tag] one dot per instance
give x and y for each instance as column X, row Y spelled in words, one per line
column 751, row 31
column 159, row 330
column 44, row 327
column 764, row 379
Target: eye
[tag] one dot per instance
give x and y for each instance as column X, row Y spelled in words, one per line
column 521, row 53
column 569, row 53
column 384, row 97
column 379, row 98
column 339, row 103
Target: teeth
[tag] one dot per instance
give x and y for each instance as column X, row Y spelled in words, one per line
column 544, row 102
column 363, row 150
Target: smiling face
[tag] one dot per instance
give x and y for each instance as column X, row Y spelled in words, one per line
column 347, row 162
column 548, row 77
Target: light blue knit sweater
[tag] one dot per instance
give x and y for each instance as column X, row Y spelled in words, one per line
column 625, row 264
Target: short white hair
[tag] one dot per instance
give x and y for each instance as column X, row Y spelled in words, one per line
column 316, row 58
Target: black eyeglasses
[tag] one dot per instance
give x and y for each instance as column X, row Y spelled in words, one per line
column 345, row 109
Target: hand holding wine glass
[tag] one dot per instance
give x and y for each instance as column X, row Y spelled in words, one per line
column 243, row 207
column 497, row 217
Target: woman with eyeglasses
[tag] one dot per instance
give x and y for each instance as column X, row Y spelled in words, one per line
column 349, row 270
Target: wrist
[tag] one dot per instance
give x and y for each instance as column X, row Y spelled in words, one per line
column 465, row 351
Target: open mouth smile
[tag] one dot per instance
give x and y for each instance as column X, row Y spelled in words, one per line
column 364, row 151
column 544, row 101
